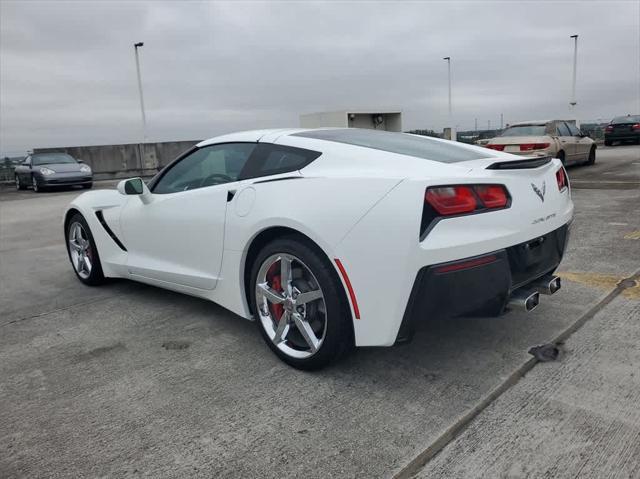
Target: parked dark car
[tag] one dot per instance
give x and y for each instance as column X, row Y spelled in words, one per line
column 42, row 170
column 621, row 129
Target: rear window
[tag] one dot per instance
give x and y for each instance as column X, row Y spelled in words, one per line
column 270, row 159
column 626, row 119
column 400, row 143
column 525, row 130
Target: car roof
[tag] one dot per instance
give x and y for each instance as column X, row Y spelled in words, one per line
column 268, row 135
column 538, row 122
column 351, row 139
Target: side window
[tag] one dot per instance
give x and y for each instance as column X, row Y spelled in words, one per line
column 562, row 129
column 27, row 161
column 207, row 166
column 276, row 159
column 573, row 129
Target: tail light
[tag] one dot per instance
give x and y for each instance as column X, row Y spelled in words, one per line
column 561, row 178
column 452, row 200
column 533, row 146
column 608, row 129
column 492, row 196
column 635, row 127
column 455, row 200
column 496, row 147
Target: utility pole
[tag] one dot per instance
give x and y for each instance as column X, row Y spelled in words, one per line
column 451, row 125
column 144, row 118
column 476, row 127
column 573, row 102
column 488, row 124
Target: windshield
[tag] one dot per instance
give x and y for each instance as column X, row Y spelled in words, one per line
column 626, row 119
column 52, row 159
column 400, row 143
column 525, row 130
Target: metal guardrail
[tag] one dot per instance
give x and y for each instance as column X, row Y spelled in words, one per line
column 7, row 173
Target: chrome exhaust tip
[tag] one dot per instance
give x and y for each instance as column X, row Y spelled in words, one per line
column 524, row 300
column 548, row 285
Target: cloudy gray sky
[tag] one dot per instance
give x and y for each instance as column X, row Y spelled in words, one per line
column 67, row 70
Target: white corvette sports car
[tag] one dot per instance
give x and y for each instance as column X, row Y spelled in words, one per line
column 332, row 238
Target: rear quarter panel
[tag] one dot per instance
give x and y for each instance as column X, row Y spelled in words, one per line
column 383, row 252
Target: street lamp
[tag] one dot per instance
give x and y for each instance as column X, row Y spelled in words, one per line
column 144, row 119
column 451, row 126
column 573, row 84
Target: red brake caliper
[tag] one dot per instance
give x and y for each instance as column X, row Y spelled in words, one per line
column 273, row 277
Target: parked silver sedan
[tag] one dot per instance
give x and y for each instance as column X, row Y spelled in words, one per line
column 43, row 170
column 560, row 139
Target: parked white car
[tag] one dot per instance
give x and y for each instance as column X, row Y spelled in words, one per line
column 556, row 138
column 332, row 238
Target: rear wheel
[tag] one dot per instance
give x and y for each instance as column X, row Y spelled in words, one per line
column 561, row 156
column 83, row 253
column 298, row 304
column 591, row 160
column 608, row 142
column 19, row 185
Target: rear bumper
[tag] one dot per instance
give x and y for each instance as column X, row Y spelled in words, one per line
column 534, row 153
column 480, row 285
column 622, row 136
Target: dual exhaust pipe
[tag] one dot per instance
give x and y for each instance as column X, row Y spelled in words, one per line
column 528, row 298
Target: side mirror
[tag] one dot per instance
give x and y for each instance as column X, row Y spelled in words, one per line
column 79, row 160
column 136, row 187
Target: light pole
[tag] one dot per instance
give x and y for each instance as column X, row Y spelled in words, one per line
column 144, row 118
column 573, row 83
column 451, row 125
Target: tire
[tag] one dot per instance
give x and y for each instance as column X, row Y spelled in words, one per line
column 35, row 185
column 87, row 187
column 591, row 160
column 328, row 316
column 608, row 142
column 19, row 185
column 561, row 157
column 80, row 247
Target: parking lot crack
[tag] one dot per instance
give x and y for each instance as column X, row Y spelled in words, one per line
column 46, row 313
column 414, row 466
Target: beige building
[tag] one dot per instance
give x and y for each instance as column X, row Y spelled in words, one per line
column 371, row 119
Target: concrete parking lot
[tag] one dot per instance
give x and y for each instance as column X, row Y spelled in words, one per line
column 128, row 380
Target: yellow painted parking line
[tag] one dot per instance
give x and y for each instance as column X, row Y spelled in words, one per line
column 635, row 235
column 601, row 281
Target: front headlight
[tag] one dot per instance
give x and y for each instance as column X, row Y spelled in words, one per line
column 46, row 171
column 85, row 169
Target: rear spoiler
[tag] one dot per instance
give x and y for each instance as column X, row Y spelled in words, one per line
column 520, row 164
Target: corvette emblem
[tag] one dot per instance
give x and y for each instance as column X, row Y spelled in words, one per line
column 539, row 192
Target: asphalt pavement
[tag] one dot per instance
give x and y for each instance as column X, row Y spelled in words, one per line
column 128, row 380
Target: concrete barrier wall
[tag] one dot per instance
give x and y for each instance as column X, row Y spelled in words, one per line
column 122, row 161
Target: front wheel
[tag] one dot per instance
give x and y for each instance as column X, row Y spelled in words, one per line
column 35, row 185
column 83, row 253
column 298, row 303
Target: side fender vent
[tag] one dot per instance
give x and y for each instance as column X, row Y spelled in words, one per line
column 113, row 236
